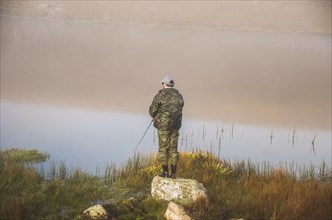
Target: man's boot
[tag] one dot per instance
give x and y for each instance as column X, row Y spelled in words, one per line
column 173, row 170
column 165, row 171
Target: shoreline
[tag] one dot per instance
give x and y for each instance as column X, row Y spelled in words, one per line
column 285, row 16
column 166, row 26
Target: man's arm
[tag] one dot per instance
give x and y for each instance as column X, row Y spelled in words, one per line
column 154, row 106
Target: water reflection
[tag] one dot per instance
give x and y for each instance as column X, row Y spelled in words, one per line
column 276, row 79
column 88, row 139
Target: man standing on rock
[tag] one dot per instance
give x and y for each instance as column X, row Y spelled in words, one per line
column 166, row 110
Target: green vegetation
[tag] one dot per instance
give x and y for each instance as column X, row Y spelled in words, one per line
column 236, row 189
column 26, row 194
column 26, row 157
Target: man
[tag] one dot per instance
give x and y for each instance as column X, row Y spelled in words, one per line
column 166, row 110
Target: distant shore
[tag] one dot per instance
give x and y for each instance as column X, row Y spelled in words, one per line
column 275, row 16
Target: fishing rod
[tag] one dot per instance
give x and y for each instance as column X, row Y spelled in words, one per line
column 143, row 135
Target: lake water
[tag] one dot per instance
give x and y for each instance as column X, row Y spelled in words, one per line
column 81, row 90
column 90, row 139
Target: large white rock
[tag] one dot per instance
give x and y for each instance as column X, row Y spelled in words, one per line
column 176, row 212
column 181, row 191
column 96, row 212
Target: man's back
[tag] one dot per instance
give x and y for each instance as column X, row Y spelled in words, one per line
column 166, row 109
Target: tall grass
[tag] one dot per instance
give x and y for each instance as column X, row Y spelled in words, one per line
column 236, row 189
column 246, row 189
column 260, row 191
column 26, row 194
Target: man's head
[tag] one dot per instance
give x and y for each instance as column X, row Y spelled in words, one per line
column 168, row 81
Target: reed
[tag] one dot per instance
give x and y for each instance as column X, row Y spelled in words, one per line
column 313, row 143
column 293, row 137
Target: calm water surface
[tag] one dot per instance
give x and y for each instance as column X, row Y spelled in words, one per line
column 90, row 139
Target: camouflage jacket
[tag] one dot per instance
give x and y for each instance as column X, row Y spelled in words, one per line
column 166, row 109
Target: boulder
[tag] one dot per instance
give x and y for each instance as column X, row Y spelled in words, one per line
column 181, row 191
column 96, row 212
column 176, row 212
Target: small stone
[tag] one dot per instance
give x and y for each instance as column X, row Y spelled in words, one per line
column 176, row 212
column 96, row 212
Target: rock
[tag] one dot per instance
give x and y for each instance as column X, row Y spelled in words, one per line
column 181, row 191
column 96, row 212
column 176, row 212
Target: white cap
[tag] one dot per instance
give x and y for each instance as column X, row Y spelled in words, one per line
column 168, row 80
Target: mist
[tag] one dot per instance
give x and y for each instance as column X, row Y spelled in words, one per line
column 261, row 78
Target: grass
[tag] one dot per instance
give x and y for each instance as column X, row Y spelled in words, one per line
column 26, row 194
column 240, row 189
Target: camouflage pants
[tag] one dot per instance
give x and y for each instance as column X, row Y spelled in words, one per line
column 168, row 146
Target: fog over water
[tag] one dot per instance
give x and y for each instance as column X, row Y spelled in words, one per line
column 280, row 79
column 69, row 81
